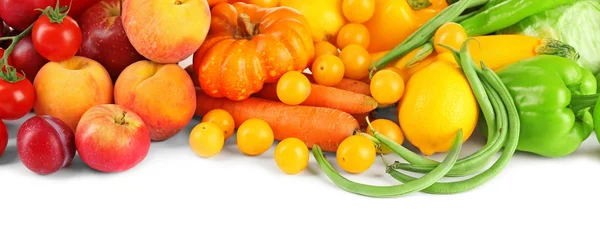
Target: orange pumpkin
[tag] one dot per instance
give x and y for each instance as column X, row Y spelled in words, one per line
column 248, row 45
column 212, row 3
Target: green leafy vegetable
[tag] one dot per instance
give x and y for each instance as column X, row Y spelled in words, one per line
column 576, row 24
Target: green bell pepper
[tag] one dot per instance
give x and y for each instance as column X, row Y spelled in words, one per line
column 597, row 113
column 553, row 96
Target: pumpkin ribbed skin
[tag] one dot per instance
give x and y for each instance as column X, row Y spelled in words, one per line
column 249, row 45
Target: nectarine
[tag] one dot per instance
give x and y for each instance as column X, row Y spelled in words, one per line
column 166, row 31
column 163, row 95
column 67, row 89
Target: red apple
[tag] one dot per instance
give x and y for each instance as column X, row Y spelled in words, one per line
column 45, row 144
column 110, row 138
column 25, row 58
column 3, row 137
column 104, row 38
column 19, row 14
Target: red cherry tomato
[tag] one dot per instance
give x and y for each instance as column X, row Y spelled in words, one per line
column 56, row 41
column 16, row 98
column 3, row 137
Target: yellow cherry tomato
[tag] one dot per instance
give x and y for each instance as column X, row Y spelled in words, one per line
column 353, row 34
column 450, row 34
column 291, row 155
column 389, row 129
column 356, row 154
column 356, row 61
column 328, row 70
column 358, row 11
column 387, row 87
column 293, row 88
column 222, row 119
column 254, row 137
column 206, row 139
column 324, row 48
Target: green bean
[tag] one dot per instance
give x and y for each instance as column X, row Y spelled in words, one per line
column 483, row 8
column 424, row 33
column 396, row 190
column 511, row 144
column 475, row 162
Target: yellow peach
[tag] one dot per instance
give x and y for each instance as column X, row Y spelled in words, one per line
column 67, row 89
column 163, row 95
column 166, row 31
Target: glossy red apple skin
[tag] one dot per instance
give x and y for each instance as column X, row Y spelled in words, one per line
column 3, row 137
column 104, row 38
column 110, row 138
column 25, row 58
column 45, row 144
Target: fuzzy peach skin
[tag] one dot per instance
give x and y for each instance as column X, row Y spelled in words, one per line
column 163, row 95
column 67, row 89
column 166, row 31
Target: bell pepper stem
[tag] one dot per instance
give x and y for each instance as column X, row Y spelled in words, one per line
column 580, row 102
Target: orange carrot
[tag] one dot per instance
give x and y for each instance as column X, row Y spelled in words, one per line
column 330, row 97
column 347, row 84
column 325, row 127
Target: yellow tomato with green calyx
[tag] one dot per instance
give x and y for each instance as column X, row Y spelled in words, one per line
column 387, row 87
column 356, row 154
column 254, row 137
column 206, row 139
column 293, row 88
column 324, row 16
column 291, row 155
column 222, row 119
column 388, row 129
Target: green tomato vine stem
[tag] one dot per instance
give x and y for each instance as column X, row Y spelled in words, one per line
column 10, row 74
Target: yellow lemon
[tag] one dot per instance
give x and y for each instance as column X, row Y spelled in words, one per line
column 437, row 102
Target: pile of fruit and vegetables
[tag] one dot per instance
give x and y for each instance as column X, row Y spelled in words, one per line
column 103, row 80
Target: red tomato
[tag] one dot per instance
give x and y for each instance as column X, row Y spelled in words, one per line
column 20, row 14
column 56, row 41
column 16, row 99
column 3, row 137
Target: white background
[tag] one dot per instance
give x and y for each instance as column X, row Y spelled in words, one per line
column 175, row 200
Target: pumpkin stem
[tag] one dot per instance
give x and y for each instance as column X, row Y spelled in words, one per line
column 245, row 29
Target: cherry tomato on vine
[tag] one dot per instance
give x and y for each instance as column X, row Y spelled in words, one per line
column 3, row 137
column 56, row 36
column 16, row 95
